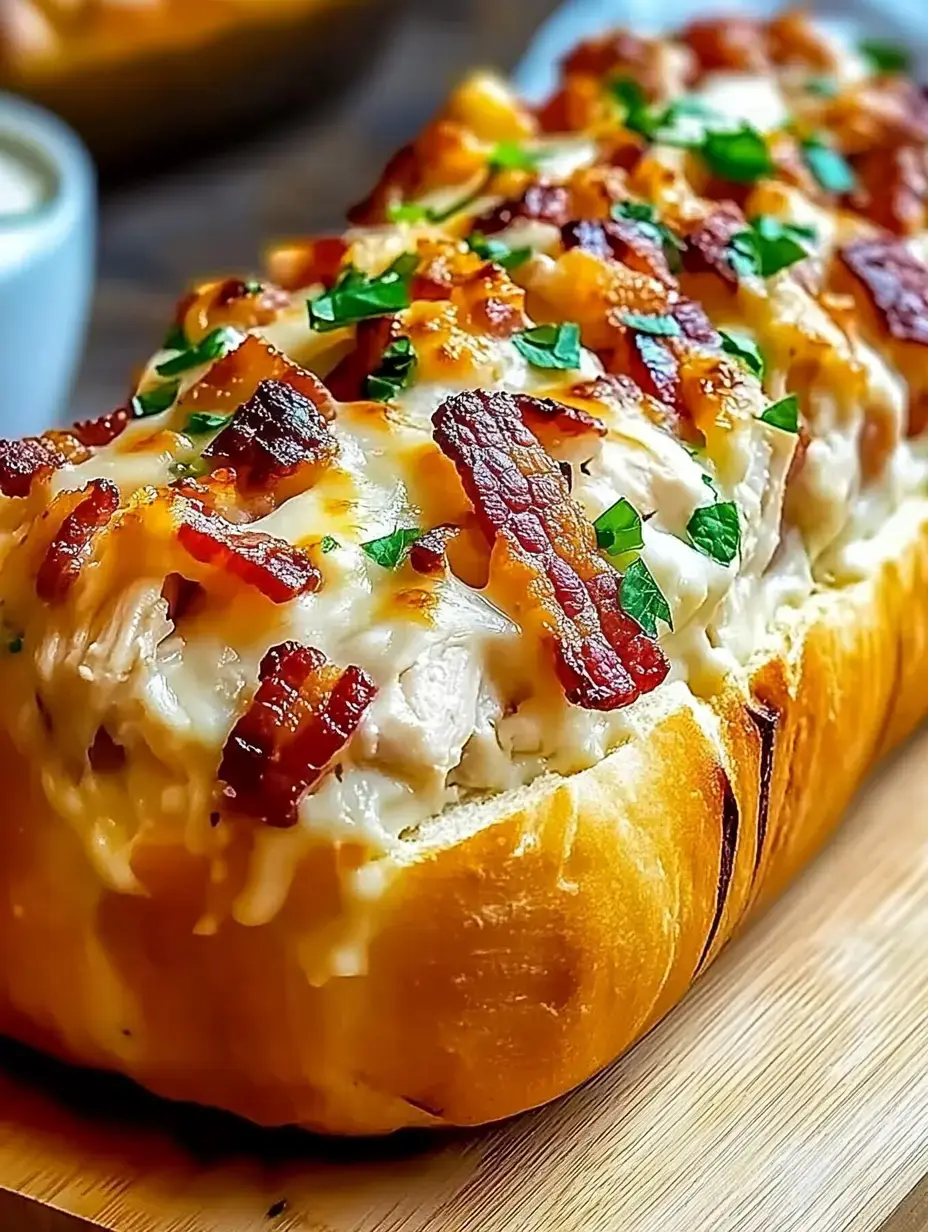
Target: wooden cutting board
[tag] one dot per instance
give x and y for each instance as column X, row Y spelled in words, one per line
column 788, row 1094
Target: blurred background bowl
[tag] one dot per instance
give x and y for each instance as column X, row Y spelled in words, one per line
column 162, row 75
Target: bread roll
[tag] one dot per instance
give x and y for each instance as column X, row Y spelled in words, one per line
column 464, row 627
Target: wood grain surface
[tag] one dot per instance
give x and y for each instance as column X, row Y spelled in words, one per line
column 788, row 1094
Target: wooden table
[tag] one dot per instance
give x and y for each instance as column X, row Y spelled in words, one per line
column 789, row 1093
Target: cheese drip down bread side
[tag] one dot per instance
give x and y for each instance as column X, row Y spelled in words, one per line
column 465, row 625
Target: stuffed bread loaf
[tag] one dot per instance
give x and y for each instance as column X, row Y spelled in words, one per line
column 463, row 628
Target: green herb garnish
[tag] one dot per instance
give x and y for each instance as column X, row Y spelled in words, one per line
column 216, row 343
column 618, row 528
column 642, row 599
column 201, row 422
column 188, row 470
column 396, row 371
column 783, row 414
column 638, row 115
column 389, row 550
column 408, row 211
column 715, row 530
column 646, row 220
column 327, row 544
column 769, row 246
column 357, row 296
column 510, row 156
column 745, row 349
column 741, row 155
column 652, row 323
column 154, row 401
column 884, row 56
column 822, row 87
column 550, row 346
column 497, row 251
column 252, row 286
column 829, row 166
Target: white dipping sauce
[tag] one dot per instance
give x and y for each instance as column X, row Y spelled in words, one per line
column 23, row 185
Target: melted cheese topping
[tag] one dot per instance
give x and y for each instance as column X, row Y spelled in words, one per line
column 463, row 707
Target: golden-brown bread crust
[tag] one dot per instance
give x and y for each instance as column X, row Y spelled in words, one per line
column 505, row 967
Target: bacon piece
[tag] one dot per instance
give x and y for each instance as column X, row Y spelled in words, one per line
column 372, row 337
column 897, row 282
column 696, row 326
column 540, row 202
column 892, row 187
column 623, row 54
column 731, row 42
column 894, row 111
column 598, row 56
column 95, row 433
column 442, row 267
column 72, row 546
column 620, row 240
column 274, row 567
column 234, row 378
column 793, row 39
column 707, row 248
column 560, row 427
column 429, row 554
column 489, row 302
column 229, row 301
column 304, row 713
column 298, row 265
column 276, row 433
column 545, row 550
column 654, row 362
column 22, row 462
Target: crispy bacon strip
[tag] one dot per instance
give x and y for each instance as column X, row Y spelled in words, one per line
column 429, row 554
column 696, row 326
column 654, row 366
column 347, row 378
column 707, row 249
column 623, row 54
column 892, row 187
column 234, row 378
column 300, row 264
column 654, row 362
column 276, row 433
column 897, row 282
column 619, row 240
column 559, row 426
column 732, row 42
column 546, row 550
column 95, row 433
column 540, row 202
column 22, row 462
column 274, row 567
column 304, row 713
column 793, row 39
column 72, row 547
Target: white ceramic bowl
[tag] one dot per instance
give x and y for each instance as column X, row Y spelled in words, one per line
column 47, row 239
